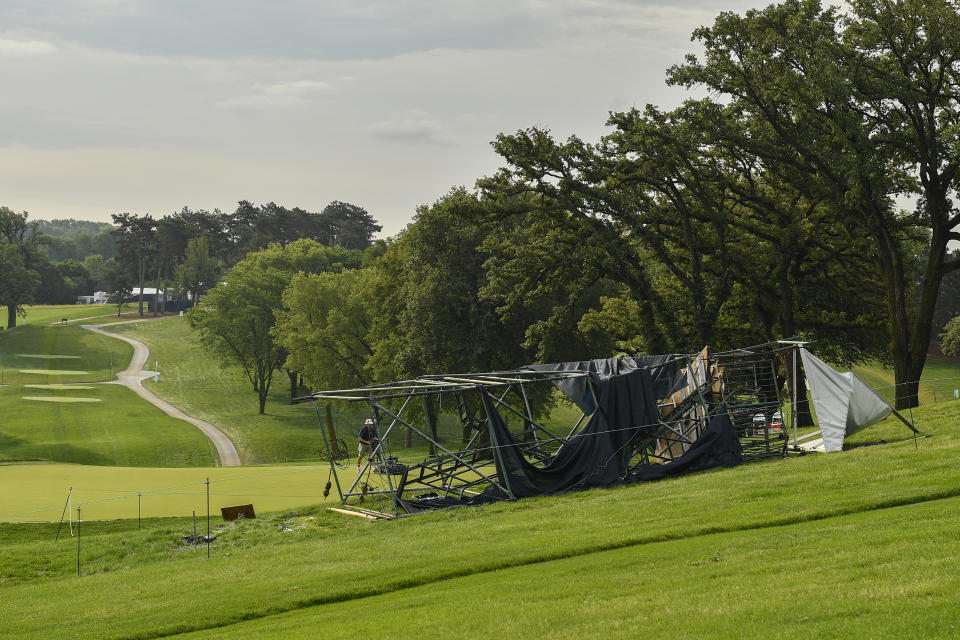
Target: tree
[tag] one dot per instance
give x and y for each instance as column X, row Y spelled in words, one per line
column 63, row 282
column 350, row 226
column 98, row 268
column 118, row 283
column 860, row 108
column 950, row 338
column 18, row 255
column 236, row 318
column 198, row 271
column 695, row 240
column 136, row 244
column 304, row 256
column 234, row 322
column 430, row 317
column 325, row 325
column 17, row 283
column 69, row 239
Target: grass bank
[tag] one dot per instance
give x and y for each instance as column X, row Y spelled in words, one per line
column 867, row 575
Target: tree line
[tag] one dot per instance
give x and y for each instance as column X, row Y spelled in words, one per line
column 811, row 195
column 56, row 261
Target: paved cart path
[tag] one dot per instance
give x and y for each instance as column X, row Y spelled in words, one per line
column 133, row 377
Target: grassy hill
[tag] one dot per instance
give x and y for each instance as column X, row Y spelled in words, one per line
column 208, row 389
column 827, row 545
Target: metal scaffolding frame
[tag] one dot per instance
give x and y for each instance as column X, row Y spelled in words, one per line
column 745, row 383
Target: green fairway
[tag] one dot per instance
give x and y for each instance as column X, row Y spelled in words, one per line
column 111, row 492
column 89, row 313
column 81, row 355
column 105, row 424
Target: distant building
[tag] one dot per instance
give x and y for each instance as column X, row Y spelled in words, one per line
column 99, row 297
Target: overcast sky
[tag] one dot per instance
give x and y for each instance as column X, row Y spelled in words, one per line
column 147, row 106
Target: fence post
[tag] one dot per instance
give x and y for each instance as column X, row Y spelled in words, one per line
column 78, row 541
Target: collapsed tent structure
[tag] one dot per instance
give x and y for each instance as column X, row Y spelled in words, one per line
column 464, row 439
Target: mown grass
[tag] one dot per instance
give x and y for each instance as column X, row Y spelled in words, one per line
column 940, row 378
column 88, row 313
column 750, row 517
column 35, row 347
column 111, row 492
column 867, row 575
column 40, row 366
column 120, row 428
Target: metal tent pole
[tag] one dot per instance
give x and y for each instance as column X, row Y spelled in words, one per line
column 328, row 445
column 793, row 402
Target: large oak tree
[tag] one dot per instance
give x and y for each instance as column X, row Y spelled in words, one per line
column 862, row 109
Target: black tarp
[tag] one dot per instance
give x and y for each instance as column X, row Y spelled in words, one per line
column 717, row 446
column 599, row 454
column 665, row 373
column 596, row 456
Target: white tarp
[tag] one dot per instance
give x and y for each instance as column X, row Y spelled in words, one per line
column 844, row 403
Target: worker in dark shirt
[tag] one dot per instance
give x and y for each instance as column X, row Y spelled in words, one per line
column 368, row 441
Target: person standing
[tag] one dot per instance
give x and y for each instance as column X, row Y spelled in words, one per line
column 368, row 441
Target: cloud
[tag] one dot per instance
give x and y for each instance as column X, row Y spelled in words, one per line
column 284, row 95
column 410, row 126
column 337, row 30
column 18, row 48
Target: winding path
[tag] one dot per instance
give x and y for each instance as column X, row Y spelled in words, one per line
column 133, row 377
